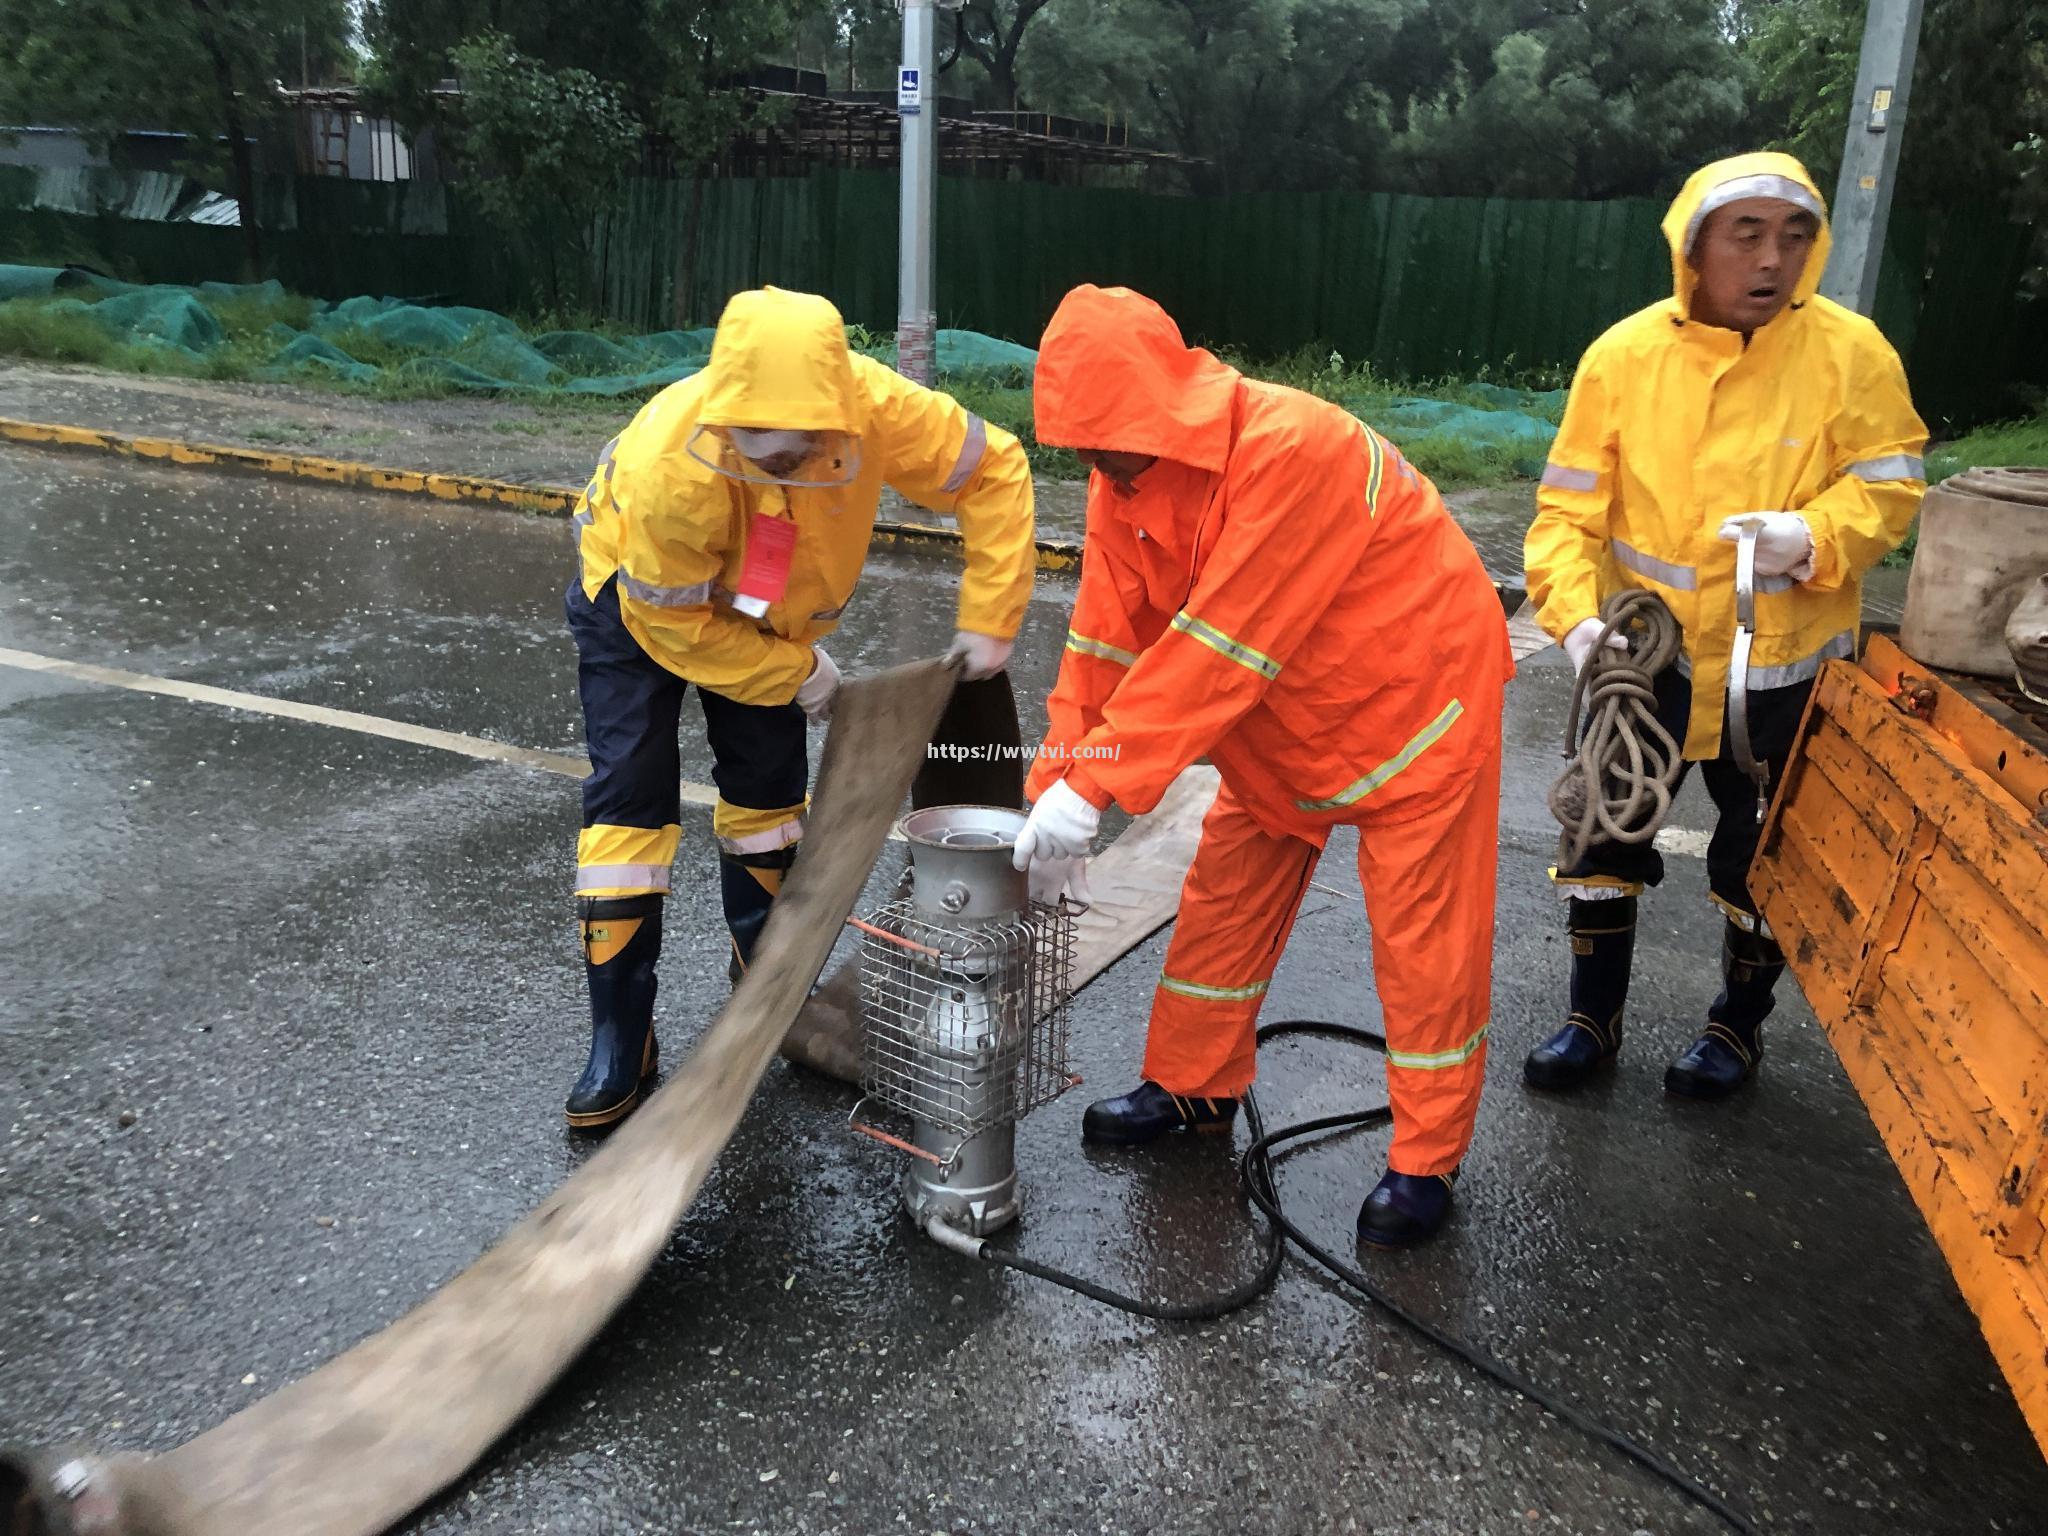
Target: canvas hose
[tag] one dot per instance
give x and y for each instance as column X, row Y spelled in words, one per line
column 1625, row 768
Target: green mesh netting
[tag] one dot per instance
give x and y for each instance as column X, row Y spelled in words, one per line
column 364, row 339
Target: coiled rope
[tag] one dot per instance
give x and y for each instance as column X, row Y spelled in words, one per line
column 1625, row 769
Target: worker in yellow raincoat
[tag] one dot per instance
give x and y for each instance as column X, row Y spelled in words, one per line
column 719, row 540
column 1743, row 404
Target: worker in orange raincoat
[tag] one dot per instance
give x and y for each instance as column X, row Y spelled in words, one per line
column 717, row 544
column 1268, row 584
column 1744, row 403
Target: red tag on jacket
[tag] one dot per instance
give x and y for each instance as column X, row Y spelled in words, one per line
column 764, row 573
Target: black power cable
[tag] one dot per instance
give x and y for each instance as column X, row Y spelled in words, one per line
column 1256, row 1169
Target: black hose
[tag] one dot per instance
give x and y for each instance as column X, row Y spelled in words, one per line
column 1256, row 1169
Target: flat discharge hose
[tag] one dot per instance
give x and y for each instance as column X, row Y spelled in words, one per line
column 366, row 1439
column 1625, row 769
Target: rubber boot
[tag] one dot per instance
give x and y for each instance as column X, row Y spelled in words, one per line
column 621, row 942
column 1148, row 1112
column 748, row 884
column 1603, row 938
column 1727, row 1052
column 1405, row 1209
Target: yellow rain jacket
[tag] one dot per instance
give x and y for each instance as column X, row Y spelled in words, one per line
column 668, row 508
column 1673, row 426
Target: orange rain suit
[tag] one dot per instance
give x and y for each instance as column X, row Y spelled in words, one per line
column 1283, row 594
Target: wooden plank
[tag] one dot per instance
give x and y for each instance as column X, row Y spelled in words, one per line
column 1877, row 800
column 2019, row 767
column 1949, row 1049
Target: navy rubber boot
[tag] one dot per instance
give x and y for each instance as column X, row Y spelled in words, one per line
column 1405, row 1209
column 1603, row 939
column 1727, row 1052
column 621, row 943
column 1148, row 1112
column 748, row 884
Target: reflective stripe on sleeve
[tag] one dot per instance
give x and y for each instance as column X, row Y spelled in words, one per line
column 1893, row 466
column 1091, row 647
column 1683, row 578
column 971, row 452
column 1561, row 477
column 664, row 597
column 1224, row 646
column 1422, row 741
column 1437, row 1061
column 1203, row 992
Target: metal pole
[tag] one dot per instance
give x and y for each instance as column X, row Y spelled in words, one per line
column 917, row 107
column 1870, row 155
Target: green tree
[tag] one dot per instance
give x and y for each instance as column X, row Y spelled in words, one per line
column 551, row 146
column 1261, row 93
column 669, row 62
column 1977, row 117
column 1606, row 98
column 204, row 68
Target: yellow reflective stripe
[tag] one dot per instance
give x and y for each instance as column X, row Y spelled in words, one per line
column 1207, row 993
column 1426, row 738
column 1379, row 472
column 1436, row 1061
column 1223, row 645
column 1092, row 647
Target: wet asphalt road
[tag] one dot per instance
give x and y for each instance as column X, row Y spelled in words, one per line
column 334, row 980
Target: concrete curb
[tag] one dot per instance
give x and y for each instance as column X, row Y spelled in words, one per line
column 546, row 500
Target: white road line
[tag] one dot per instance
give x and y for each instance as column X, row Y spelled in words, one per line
column 569, row 765
column 1683, row 843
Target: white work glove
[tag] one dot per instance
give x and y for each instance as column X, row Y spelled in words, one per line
column 815, row 693
column 1580, row 639
column 1051, row 879
column 1060, row 826
column 1784, row 543
column 979, row 656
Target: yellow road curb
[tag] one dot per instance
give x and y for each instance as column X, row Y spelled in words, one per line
column 1053, row 554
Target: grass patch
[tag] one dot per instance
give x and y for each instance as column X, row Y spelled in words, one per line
column 54, row 332
column 2001, row 443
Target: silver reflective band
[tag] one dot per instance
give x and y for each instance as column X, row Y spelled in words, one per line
column 1102, row 648
column 970, row 457
column 1233, row 650
column 1208, row 994
column 1436, row 1061
column 578, row 523
column 1561, row 478
column 1838, row 648
column 664, row 597
column 1783, row 188
column 1420, row 743
column 1681, row 577
column 600, row 877
column 1893, row 466
column 780, row 836
column 1775, row 583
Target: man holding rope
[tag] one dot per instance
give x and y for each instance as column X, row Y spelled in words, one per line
column 1745, row 451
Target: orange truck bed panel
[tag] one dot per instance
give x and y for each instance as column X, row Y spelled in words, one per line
column 1905, row 872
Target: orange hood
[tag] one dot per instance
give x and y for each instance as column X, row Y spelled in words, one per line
column 1114, row 374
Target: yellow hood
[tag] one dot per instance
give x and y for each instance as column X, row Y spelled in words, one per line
column 1764, row 174
column 780, row 360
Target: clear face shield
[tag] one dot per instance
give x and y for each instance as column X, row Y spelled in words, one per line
column 778, row 456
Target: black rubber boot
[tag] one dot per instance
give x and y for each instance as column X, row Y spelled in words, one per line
column 1148, row 1112
column 1405, row 1209
column 749, row 884
column 1727, row 1052
column 1603, row 938
column 621, row 943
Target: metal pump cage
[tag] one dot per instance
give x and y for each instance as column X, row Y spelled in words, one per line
column 967, row 1025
